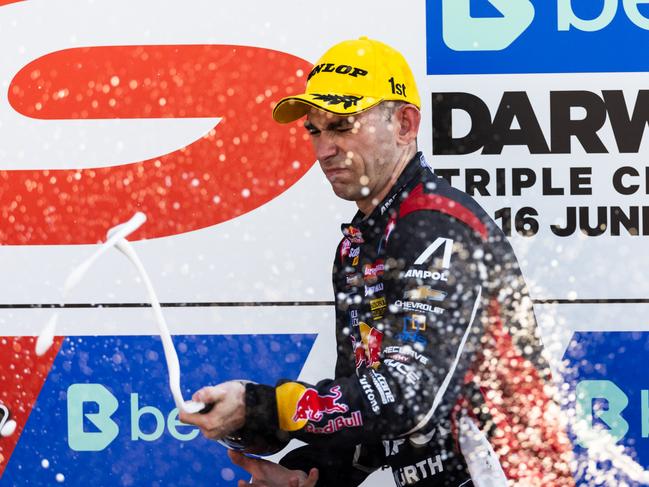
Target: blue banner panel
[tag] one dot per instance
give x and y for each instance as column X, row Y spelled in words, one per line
column 536, row 36
column 611, row 393
column 105, row 415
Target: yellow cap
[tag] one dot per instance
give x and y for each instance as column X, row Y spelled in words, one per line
column 351, row 77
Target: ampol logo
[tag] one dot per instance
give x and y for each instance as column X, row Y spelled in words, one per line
column 534, row 36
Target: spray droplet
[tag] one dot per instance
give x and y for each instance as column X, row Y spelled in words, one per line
column 227, row 474
column 9, row 428
column 46, row 337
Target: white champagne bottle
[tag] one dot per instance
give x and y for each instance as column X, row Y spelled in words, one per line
column 480, row 457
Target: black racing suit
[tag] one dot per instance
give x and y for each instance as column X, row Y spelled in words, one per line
column 433, row 322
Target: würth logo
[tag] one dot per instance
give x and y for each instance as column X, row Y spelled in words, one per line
column 340, row 69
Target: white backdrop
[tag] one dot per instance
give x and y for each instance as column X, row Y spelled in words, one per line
column 282, row 251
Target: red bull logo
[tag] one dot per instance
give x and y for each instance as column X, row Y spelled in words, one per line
column 344, row 249
column 353, row 234
column 336, row 424
column 368, row 351
column 312, row 406
column 359, row 352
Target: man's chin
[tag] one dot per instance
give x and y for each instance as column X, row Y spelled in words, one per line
column 344, row 193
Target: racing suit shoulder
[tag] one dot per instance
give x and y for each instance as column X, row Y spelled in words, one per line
column 434, row 280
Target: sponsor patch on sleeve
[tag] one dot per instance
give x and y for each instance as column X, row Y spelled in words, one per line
column 297, row 405
column 377, row 306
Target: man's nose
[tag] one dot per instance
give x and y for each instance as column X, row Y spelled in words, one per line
column 325, row 147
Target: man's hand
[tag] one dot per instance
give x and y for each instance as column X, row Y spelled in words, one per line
column 228, row 414
column 269, row 474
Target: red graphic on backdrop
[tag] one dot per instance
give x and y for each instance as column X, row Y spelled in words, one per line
column 22, row 375
column 244, row 162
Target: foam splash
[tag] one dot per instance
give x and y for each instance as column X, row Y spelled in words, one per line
column 603, row 447
column 46, row 337
column 192, row 407
column 9, row 428
column 171, row 357
column 116, row 234
column 116, row 237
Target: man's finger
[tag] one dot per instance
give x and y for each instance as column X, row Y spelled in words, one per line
column 237, row 457
column 254, row 483
column 243, row 461
column 209, row 394
column 197, row 419
column 206, row 395
column 312, row 478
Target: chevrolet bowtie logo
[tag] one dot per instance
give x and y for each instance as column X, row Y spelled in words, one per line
column 425, row 293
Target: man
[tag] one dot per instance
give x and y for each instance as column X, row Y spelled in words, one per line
column 439, row 372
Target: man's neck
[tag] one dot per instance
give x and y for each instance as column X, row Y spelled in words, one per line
column 366, row 206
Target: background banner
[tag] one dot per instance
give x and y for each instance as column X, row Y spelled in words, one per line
column 537, row 109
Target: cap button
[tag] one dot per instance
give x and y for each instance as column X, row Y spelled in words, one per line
column 363, row 38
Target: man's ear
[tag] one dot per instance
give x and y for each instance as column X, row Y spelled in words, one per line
column 408, row 118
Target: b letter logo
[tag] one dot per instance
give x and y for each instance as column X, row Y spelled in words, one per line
column 608, row 418
column 82, row 397
column 78, row 396
column 462, row 32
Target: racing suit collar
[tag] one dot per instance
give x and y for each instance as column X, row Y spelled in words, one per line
column 409, row 175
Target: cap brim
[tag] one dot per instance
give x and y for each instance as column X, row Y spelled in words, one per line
column 291, row 108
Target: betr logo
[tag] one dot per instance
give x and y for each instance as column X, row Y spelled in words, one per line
column 78, row 396
column 464, row 32
column 599, row 407
column 82, row 396
column 568, row 19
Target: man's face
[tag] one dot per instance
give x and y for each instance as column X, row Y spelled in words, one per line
column 357, row 153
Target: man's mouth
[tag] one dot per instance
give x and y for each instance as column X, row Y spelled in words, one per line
column 334, row 172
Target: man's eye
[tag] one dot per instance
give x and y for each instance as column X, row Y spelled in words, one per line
column 343, row 129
